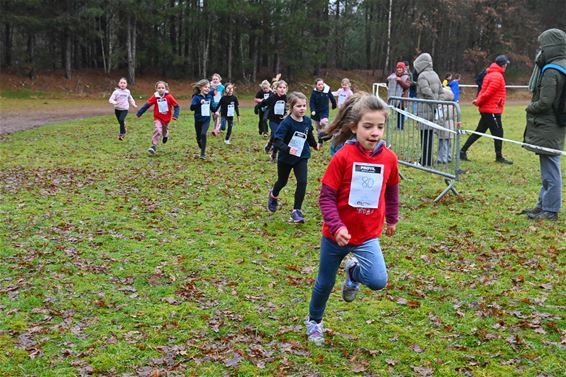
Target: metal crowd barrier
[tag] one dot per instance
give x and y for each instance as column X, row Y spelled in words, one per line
column 425, row 135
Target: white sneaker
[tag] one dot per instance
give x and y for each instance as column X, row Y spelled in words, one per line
column 349, row 288
column 226, row 141
column 315, row 332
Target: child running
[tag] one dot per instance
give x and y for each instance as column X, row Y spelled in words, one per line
column 319, row 104
column 228, row 107
column 359, row 190
column 275, row 103
column 217, row 91
column 202, row 104
column 344, row 92
column 261, row 111
column 163, row 102
column 122, row 99
column 293, row 138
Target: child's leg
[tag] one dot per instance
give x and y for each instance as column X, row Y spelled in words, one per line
column 300, row 170
column 371, row 270
column 216, row 124
column 323, row 123
column 223, row 123
column 283, row 172
column 203, row 131
column 331, row 256
column 316, row 125
column 157, row 132
column 198, row 128
column 121, row 117
column 230, row 122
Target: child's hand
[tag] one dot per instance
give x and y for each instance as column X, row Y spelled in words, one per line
column 318, row 146
column 293, row 151
column 173, row 118
column 238, row 119
column 342, row 236
column 201, row 101
column 390, row 229
column 313, row 113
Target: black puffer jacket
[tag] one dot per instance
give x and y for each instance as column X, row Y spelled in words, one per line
column 542, row 126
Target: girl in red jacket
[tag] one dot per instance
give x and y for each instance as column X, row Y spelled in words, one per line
column 491, row 101
column 165, row 109
column 360, row 191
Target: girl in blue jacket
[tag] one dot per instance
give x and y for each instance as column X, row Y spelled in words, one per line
column 203, row 106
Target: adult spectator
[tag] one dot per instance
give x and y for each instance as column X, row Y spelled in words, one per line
column 491, row 102
column 398, row 84
column 546, row 120
column 428, row 87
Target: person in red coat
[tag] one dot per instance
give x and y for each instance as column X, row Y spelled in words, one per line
column 491, row 102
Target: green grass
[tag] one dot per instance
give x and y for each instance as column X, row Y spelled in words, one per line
column 113, row 262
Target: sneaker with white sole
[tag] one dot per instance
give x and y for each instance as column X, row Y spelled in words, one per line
column 152, row 149
column 227, row 141
column 315, row 332
column 271, row 202
column 350, row 288
column 297, row 216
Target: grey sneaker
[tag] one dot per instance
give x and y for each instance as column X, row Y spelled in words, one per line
column 315, row 332
column 297, row 216
column 527, row 211
column 152, row 150
column 503, row 160
column 271, row 202
column 202, row 156
column 543, row 215
column 350, row 288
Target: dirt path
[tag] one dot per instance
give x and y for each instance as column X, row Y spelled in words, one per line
column 19, row 115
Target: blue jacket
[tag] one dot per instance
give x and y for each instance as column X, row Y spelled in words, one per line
column 284, row 134
column 319, row 104
column 455, row 86
column 196, row 106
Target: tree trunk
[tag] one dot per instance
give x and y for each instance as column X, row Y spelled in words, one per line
column 387, row 52
column 31, row 56
column 230, row 42
column 131, row 47
column 68, row 54
column 8, row 45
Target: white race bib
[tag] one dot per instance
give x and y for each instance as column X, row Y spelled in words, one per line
column 230, row 111
column 266, row 95
column 297, row 142
column 279, row 108
column 341, row 99
column 365, row 189
column 205, row 109
column 162, row 106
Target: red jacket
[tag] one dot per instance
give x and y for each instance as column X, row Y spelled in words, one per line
column 491, row 98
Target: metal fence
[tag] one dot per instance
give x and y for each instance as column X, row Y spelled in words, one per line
column 425, row 135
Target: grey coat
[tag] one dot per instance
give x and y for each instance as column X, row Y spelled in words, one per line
column 428, row 85
column 542, row 127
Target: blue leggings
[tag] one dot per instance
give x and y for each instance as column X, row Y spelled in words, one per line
column 371, row 270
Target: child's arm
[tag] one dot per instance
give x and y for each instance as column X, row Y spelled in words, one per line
column 195, row 103
column 328, row 202
column 176, row 111
column 391, row 208
column 111, row 100
column 142, row 109
column 279, row 138
column 337, row 93
column 332, row 100
column 312, row 104
column 132, row 101
column 311, row 140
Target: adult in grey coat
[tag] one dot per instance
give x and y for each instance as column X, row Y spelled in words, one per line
column 543, row 127
column 428, row 87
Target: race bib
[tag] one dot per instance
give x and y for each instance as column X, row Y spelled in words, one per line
column 341, row 99
column 266, row 95
column 230, row 111
column 297, row 142
column 365, row 189
column 279, row 108
column 162, row 106
column 326, row 88
column 205, row 109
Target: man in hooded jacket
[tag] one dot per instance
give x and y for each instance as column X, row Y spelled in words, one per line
column 544, row 128
column 428, row 87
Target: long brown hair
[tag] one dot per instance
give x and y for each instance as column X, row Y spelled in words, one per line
column 293, row 98
column 350, row 114
column 198, row 86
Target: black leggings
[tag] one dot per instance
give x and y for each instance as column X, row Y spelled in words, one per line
column 493, row 123
column 283, row 173
column 201, row 128
column 121, row 116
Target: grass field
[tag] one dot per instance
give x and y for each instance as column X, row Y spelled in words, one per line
column 116, row 263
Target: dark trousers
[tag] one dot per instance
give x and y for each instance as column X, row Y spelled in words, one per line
column 262, row 123
column 491, row 122
column 427, row 141
column 230, row 122
column 201, row 128
column 121, row 116
column 283, row 173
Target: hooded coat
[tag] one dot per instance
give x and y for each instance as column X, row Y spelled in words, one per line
column 428, row 85
column 491, row 98
column 542, row 126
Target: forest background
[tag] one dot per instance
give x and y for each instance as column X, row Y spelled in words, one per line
column 247, row 41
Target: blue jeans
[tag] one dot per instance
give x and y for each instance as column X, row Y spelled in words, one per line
column 371, row 270
column 223, row 124
column 550, row 195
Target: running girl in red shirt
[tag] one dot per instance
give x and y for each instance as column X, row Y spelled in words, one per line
column 165, row 109
column 359, row 191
